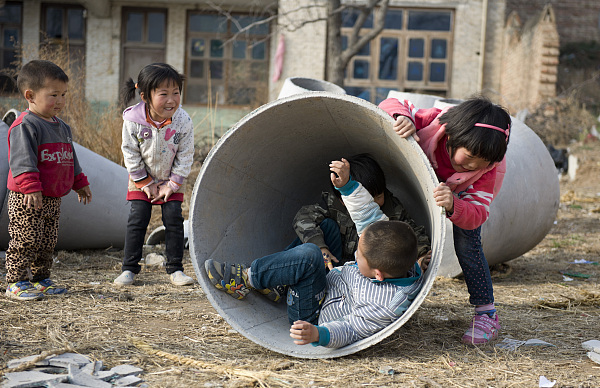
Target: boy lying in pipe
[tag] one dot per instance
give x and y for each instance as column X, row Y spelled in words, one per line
column 352, row 301
column 328, row 225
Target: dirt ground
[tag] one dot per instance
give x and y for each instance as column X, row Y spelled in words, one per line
column 190, row 345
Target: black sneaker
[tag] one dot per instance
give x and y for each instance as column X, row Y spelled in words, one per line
column 276, row 294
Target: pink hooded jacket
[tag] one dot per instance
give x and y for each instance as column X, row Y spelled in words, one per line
column 474, row 190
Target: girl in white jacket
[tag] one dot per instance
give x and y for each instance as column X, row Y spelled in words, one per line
column 158, row 150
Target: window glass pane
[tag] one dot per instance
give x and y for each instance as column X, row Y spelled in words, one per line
column 54, row 22
column 363, row 93
column 381, row 94
column 196, row 93
column 197, row 69
column 427, row 20
column 241, row 95
column 244, row 21
column 239, row 49
column 344, row 42
column 258, row 50
column 10, row 38
column 349, row 17
column 75, row 23
column 197, row 47
column 393, row 20
column 156, row 27
column 416, row 48
column 216, row 69
column 216, row 48
column 135, row 24
column 361, row 69
column 365, row 50
column 437, row 72
column 9, row 58
column 438, row 48
column 259, row 71
column 414, row 71
column 388, row 58
column 208, row 23
column 10, row 13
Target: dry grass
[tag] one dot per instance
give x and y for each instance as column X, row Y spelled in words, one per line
column 176, row 336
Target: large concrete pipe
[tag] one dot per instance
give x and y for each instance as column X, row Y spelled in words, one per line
column 99, row 224
column 299, row 85
column 271, row 163
column 524, row 210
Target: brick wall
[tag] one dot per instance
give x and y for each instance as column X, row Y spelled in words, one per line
column 576, row 20
column 530, row 63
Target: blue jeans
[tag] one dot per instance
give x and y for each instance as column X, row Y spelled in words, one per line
column 331, row 234
column 137, row 224
column 475, row 268
column 300, row 268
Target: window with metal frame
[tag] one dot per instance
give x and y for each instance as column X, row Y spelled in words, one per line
column 227, row 59
column 412, row 53
column 10, row 27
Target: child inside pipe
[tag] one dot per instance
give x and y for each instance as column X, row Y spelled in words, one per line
column 350, row 302
column 329, row 225
column 466, row 145
column 158, row 151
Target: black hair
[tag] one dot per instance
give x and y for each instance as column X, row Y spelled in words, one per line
column 365, row 170
column 391, row 247
column 486, row 143
column 34, row 74
column 150, row 78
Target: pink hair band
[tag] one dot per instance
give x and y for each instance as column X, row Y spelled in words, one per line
column 505, row 131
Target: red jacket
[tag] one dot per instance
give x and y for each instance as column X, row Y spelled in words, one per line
column 41, row 157
column 474, row 191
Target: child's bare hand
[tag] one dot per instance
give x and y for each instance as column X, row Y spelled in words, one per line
column 304, row 333
column 33, row 200
column 151, row 190
column 84, row 195
column 164, row 192
column 340, row 172
column 405, row 128
column 328, row 258
column 443, row 197
column 424, row 261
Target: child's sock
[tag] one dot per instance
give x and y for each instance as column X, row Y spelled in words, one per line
column 249, row 277
column 488, row 309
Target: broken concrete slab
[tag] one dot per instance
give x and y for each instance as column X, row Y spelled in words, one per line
column 592, row 345
column 127, row 381
column 80, row 377
column 126, row 370
column 31, row 379
column 66, row 359
column 155, row 260
column 15, row 363
column 594, row 357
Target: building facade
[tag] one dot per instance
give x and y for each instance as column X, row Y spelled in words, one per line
column 239, row 52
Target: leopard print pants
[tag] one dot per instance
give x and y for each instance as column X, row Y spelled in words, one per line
column 33, row 235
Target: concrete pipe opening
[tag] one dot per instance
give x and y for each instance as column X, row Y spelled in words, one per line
column 271, row 163
column 298, row 85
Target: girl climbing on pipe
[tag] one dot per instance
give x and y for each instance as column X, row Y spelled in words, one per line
column 466, row 145
column 158, row 150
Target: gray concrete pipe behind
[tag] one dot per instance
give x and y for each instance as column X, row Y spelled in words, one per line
column 99, row 224
column 271, row 163
column 524, row 210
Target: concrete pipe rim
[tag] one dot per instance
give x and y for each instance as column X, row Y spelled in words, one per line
column 216, row 297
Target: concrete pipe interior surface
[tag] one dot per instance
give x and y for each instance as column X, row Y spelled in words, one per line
column 271, row 163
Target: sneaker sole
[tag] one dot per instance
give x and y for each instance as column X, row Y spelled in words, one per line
column 17, row 297
column 186, row 283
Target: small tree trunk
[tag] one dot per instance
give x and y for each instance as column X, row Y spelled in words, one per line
column 334, row 71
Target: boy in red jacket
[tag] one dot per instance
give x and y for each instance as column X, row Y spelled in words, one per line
column 43, row 168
